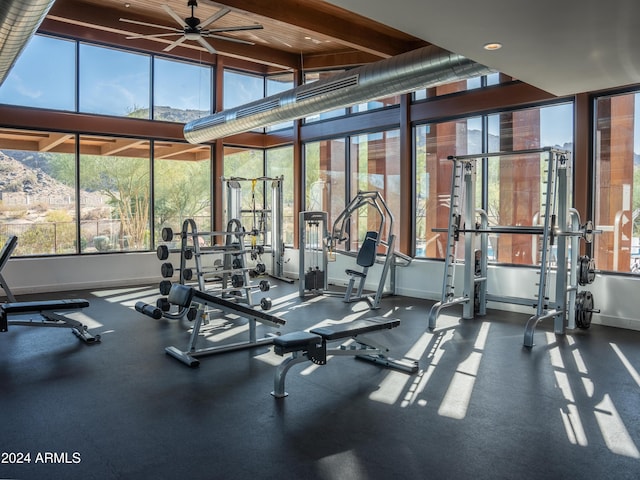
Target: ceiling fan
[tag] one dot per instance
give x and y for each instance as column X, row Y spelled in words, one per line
column 193, row 29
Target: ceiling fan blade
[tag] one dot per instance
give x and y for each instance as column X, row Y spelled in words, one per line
column 174, row 44
column 207, row 45
column 145, row 24
column 157, row 35
column 228, row 39
column 219, row 14
column 232, row 29
column 174, row 15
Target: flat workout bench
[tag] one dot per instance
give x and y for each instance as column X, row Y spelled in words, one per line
column 44, row 309
column 312, row 346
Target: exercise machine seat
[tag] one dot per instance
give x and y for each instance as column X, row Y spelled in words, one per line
column 366, row 255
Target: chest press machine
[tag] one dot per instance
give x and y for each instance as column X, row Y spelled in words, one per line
column 45, row 309
column 313, row 346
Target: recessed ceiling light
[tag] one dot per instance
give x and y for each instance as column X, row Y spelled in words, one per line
column 492, row 46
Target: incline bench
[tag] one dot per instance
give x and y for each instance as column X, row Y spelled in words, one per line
column 44, row 309
column 312, row 346
column 184, row 296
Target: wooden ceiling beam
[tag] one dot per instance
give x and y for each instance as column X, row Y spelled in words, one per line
column 344, row 27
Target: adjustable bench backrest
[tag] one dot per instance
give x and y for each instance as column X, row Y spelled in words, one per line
column 7, row 250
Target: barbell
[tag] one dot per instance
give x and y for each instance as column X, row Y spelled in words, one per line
column 167, row 234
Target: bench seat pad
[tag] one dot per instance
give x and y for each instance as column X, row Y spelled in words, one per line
column 41, row 306
column 296, row 340
column 357, row 327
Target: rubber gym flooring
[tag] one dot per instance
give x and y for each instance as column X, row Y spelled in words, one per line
column 481, row 407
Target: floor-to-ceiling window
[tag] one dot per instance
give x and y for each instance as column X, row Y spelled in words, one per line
column 115, row 192
column 375, row 167
column 325, row 177
column 433, row 143
column 511, row 194
column 279, row 164
column 38, row 191
column 517, row 183
column 182, row 186
column 617, row 182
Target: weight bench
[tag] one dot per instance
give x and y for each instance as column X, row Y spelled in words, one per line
column 184, row 296
column 44, row 309
column 312, row 346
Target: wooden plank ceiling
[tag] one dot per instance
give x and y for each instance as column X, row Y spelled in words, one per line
column 296, row 34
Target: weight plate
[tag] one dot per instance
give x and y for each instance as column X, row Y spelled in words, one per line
column 584, row 309
column 587, row 233
column 166, row 269
column 165, row 287
column 266, row 303
column 162, row 252
column 167, row 234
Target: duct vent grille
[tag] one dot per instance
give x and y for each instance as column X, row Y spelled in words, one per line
column 327, row 87
column 259, row 108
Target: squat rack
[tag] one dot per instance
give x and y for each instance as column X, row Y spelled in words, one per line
column 560, row 223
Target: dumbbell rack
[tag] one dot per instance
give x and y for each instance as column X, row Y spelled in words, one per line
column 232, row 273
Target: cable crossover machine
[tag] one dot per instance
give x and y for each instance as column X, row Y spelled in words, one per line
column 318, row 247
column 266, row 224
column 558, row 235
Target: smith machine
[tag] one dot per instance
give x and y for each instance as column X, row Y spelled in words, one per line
column 556, row 243
column 318, row 247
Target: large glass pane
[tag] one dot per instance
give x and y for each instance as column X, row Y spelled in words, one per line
column 43, row 76
column 433, row 144
column 280, row 164
column 241, row 88
column 325, row 184
column 516, row 183
column 114, row 82
column 115, row 193
column 459, row 86
column 245, row 163
column 375, row 104
column 181, row 91
column 182, row 186
column 278, row 84
column 617, row 183
column 375, row 167
column 311, row 77
column 37, row 189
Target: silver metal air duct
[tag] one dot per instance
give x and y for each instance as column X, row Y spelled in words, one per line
column 19, row 20
column 426, row 67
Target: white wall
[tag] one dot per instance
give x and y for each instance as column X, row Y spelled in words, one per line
column 617, row 297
